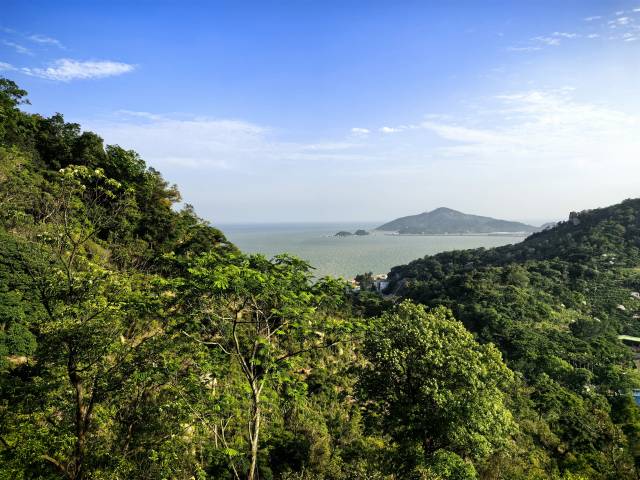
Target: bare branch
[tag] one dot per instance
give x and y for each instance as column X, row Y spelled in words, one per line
column 217, row 344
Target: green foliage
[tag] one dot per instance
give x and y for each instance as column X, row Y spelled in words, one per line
column 552, row 306
column 264, row 315
column 431, row 387
column 137, row 342
column 448, row 465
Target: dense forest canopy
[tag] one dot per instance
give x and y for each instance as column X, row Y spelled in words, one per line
column 137, row 342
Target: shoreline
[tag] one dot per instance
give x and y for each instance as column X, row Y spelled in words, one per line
column 518, row 235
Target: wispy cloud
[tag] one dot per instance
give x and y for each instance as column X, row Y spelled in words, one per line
column 45, row 40
column 566, row 35
column 65, row 70
column 202, row 142
column 528, row 48
column 620, row 25
column 555, row 38
column 620, row 21
column 537, row 43
column 534, row 126
column 550, row 41
column 360, row 131
column 624, row 26
column 62, row 69
column 545, row 129
column 513, row 143
column 17, row 47
column 145, row 115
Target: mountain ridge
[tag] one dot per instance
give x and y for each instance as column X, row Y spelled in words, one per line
column 444, row 220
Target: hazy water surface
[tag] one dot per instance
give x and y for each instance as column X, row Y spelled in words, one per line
column 348, row 256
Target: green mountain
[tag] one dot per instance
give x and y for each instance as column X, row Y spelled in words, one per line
column 601, row 239
column 554, row 305
column 445, row 220
column 137, row 342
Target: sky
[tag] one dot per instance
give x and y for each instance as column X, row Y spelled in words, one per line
column 283, row 111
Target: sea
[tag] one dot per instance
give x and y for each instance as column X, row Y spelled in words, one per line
column 348, row 256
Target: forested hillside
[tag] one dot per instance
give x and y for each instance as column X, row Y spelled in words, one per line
column 554, row 304
column 136, row 342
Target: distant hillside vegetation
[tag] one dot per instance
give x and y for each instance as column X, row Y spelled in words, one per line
column 445, row 220
column 554, row 305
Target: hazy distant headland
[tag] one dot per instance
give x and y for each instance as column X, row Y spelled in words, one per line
column 446, row 221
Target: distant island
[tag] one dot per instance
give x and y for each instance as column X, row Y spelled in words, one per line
column 344, row 233
column 443, row 221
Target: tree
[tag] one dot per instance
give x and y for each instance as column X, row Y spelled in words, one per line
column 93, row 383
column 83, row 327
column 264, row 314
column 432, row 388
column 365, row 281
column 11, row 118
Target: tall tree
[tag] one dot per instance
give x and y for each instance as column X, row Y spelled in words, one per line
column 264, row 314
column 432, row 388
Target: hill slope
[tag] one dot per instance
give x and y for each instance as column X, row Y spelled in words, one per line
column 445, row 220
column 554, row 305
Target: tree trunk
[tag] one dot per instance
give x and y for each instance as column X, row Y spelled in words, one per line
column 81, row 419
column 254, row 433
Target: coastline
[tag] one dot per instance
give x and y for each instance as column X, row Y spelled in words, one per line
column 494, row 234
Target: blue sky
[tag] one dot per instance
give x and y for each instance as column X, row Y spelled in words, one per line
column 330, row 111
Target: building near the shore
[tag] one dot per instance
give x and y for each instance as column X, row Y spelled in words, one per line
column 634, row 344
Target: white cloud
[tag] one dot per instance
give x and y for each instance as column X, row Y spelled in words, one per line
column 190, row 142
column 45, row 40
column 360, row 131
column 6, row 67
column 548, row 133
column 550, row 130
column 146, row 115
column 536, row 43
column 565, row 35
column 392, row 129
column 462, row 134
column 532, row 128
column 169, row 141
column 66, row 69
column 512, row 146
column 529, row 48
column 623, row 29
column 622, row 26
column 551, row 41
column 17, row 47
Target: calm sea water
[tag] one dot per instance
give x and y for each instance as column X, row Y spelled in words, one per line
column 346, row 257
